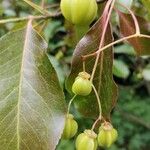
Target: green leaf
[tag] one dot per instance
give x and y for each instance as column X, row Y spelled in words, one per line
column 58, row 68
column 32, row 107
column 103, row 79
column 125, row 49
column 127, row 26
column 38, row 8
column 127, row 3
column 146, row 4
column 146, row 73
column 120, row 69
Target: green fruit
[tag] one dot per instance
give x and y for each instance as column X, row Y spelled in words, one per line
column 71, row 127
column 82, row 86
column 79, row 12
column 86, row 141
column 107, row 135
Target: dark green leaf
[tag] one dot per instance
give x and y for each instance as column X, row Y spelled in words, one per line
column 32, row 104
column 103, row 79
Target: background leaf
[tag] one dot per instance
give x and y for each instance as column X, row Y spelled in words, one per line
column 127, row 27
column 38, row 8
column 146, row 73
column 146, row 4
column 103, row 80
column 120, row 69
column 32, row 104
column 125, row 49
column 127, row 3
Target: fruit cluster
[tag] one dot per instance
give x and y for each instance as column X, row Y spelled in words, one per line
column 88, row 140
column 81, row 13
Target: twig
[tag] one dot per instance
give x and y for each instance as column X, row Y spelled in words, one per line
column 116, row 42
column 120, row 40
column 29, row 17
column 110, row 2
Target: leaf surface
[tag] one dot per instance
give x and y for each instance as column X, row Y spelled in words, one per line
column 127, row 27
column 146, row 4
column 103, row 79
column 32, row 104
column 127, row 3
column 120, row 69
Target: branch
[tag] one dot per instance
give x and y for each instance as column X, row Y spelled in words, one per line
column 111, row 4
column 29, row 17
column 116, row 42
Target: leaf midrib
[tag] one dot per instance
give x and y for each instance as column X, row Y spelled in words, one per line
column 20, row 82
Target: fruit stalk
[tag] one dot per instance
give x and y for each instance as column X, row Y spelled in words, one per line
column 80, row 31
column 69, row 105
column 100, row 108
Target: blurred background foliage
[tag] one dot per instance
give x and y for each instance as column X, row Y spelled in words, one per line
column 132, row 114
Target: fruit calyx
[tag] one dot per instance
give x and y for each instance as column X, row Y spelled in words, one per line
column 90, row 134
column 84, row 75
column 106, row 126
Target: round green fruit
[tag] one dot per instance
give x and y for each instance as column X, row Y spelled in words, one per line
column 86, row 141
column 107, row 135
column 82, row 85
column 71, row 127
column 79, row 12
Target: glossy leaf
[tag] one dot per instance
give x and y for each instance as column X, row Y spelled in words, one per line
column 32, row 104
column 103, row 79
column 127, row 27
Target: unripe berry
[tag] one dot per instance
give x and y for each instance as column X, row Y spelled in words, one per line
column 71, row 127
column 82, row 85
column 86, row 141
column 79, row 12
column 107, row 135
